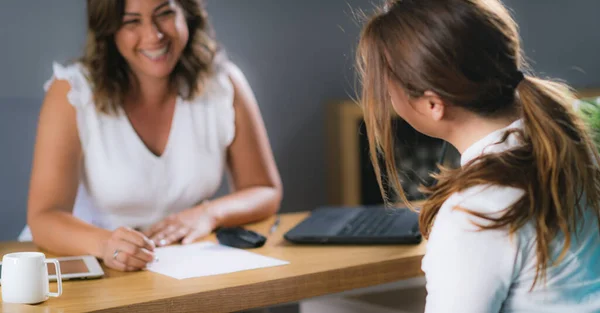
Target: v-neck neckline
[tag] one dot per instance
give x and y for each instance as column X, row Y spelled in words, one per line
column 143, row 145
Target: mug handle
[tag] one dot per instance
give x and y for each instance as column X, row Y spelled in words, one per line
column 58, row 278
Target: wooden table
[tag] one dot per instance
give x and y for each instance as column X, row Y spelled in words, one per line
column 313, row 271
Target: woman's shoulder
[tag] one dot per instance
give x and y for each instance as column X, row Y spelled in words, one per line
column 69, row 72
column 488, row 200
column 216, row 89
column 485, row 197
column 219, row 80
column 224, row 76
column 217, row 95
column 75, row 74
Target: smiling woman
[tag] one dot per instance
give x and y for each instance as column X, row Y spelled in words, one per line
column 153, row 38
column 147, row 51
column 135, row 137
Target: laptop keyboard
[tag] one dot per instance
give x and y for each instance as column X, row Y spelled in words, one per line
column 370, row 222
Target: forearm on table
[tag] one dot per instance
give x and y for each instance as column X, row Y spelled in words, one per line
column 245, row 206
column 62, row 233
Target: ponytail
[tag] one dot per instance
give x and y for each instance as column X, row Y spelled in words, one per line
column 564, row 160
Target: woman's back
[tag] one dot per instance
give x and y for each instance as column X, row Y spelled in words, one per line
column 494, row 272
column 572, row 285
column 501, row 268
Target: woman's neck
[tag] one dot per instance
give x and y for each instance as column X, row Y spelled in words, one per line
column 151, row 92
column 473, row 128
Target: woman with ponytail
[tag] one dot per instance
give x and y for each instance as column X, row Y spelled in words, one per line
column 515, row 228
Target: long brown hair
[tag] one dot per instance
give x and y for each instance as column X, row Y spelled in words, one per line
column 469, row 53
column 108, row 70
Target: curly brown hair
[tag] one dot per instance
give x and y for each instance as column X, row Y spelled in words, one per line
column 108, row 70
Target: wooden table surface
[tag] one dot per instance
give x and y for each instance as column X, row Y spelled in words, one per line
column 313, row 271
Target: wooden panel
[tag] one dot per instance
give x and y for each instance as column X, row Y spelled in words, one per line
column 589, row 93
column 343, row 154
column 313, row 271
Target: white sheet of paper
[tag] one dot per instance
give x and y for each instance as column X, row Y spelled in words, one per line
column 206, row 259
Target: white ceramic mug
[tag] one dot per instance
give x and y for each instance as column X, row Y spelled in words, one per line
column 25, row 278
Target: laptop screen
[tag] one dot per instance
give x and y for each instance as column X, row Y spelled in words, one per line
column 417, row 156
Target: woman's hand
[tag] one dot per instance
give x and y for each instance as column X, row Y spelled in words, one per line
column 128, row 250
column 186, row 226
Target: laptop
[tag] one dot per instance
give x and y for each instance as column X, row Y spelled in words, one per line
column 361, row 224
column 357, row 225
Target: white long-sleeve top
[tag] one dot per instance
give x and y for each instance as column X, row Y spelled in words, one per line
column 470, row 271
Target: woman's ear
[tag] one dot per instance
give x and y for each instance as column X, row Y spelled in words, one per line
column 435, row 106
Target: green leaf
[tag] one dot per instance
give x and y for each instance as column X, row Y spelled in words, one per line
column 589, row 110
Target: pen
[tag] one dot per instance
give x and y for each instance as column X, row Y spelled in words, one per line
column 275, row 224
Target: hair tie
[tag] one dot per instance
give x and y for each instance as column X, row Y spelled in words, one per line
column 517, row 78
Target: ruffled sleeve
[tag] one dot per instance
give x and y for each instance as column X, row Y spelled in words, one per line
column 80, row 94
column 225, row 108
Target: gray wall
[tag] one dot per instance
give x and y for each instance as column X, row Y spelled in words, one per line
column 561, row 38
column 296, row 54
column 33, row 34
